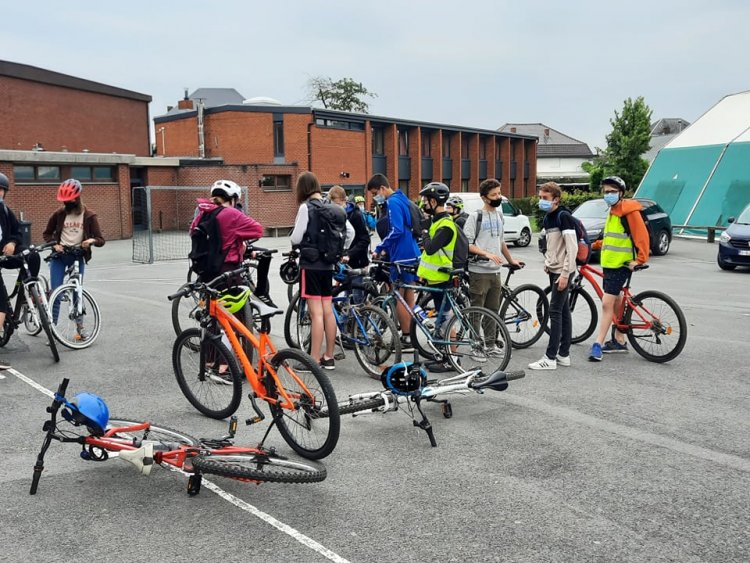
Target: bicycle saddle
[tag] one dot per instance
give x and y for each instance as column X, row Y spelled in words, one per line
column 263, row 309
column 498, row 381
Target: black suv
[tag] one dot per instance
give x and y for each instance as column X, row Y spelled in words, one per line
column 593, row 214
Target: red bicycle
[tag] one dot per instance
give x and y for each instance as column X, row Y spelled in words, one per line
column 144, row 444
column 653, row 322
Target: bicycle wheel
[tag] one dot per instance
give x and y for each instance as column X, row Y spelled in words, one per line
column 159, row 434
column 184, row 310
column 665, row 336
column 312, row 428
column 375, row 338
column 199, row 366
column 525, row 315
column 290, row 322
column 480, row 341
column 260, row 467
column 7, row 329
column 30, row 319
column 584, row 314
column 72, row 329
column 361, row 404
column 303, row 326
column 44, row 319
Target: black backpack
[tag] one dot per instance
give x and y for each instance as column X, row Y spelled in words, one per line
column 460, row 250
column 416, row 220
column 327, row 231
column 206, row 252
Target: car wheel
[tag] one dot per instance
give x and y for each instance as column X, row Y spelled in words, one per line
column 724, row 265
column 662, row 243
column 524, row 239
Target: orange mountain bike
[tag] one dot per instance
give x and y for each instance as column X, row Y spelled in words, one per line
column 299, row 394
column 144, row 444
column 652, row 321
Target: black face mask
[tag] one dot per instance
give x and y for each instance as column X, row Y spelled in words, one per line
column 495, row 202
column 428, row 210
column 70, row 206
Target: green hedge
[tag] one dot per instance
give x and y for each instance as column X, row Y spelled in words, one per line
column 530, row 205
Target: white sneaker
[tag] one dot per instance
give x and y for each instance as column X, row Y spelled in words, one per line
column 495, row 352
column 544, row 363
column 563, row 361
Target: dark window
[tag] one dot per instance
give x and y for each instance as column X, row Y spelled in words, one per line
column 464, row 146
column 276, row 183
column 21, row 173
column 483, row 148
column 446, row 146
column 403, row 185
column 498, row 146
column 104, row 174
column 278, row 138
column 340, row 124
column 82, row 173
column 403, row 142
column 426, row 144
column 93, row 173
column 44, row 173
column 464, row 185
column 32, row 174
column 447, row 182
column 378, row 141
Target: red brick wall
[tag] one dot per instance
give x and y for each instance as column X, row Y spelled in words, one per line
column 180, row 137
column 338, row 150
column 66, row 119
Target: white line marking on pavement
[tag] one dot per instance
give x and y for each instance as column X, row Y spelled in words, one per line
column 230, row 498
column 729, row 460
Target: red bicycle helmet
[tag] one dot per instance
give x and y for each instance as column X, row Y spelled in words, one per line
column 69, row 190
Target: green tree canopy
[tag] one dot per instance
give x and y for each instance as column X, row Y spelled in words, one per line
column 345, row 94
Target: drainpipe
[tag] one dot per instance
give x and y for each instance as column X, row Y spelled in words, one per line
column 309, row 146
column 201, row 138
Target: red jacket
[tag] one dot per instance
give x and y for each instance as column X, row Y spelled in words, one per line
column 235, row 228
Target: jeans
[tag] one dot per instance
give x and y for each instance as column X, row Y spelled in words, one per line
column 559, row 320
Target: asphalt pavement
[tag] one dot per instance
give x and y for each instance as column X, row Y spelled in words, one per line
column 622, row 460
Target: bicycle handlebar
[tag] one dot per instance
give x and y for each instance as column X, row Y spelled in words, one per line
column 32, row 249
column 209, row 286
column 75, row 250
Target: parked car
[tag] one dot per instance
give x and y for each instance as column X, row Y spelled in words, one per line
column 593, row 214
column 734, row 242
column 516, row 225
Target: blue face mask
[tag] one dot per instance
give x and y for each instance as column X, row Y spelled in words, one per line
column 545, row 205
column 611, row 199
column 379, row 199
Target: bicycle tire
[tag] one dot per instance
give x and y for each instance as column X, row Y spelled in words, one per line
column 312, row 428
column 184, row 308
column 207, row 391
column 290, row 332
column 381, row 346
column 474, row 349
column 44, row 320
column 30, row 322
column 260, row 467
column 353, row 406
column 584, row 314
column 645, row 341
column 67, row 329
column 160, row 434
column 524, row 313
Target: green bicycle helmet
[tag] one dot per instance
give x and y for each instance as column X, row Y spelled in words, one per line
column 234, row 298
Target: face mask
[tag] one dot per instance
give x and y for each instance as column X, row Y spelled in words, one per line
column 379, row 199
column 495, row 202
column 70, row 206
column 545, row 205
column 611, row 199
column 362, row 207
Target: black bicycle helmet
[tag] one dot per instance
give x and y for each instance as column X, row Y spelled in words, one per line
column 616, row 181
column 403, row 378
column 4, row 182
column 289, row 272
column 437, row 191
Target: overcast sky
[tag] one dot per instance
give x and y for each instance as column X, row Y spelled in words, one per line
column 478, row 63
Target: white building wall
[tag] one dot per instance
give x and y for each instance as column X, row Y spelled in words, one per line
column 554, row 167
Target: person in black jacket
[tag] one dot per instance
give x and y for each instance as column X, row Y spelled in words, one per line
column 358, row 253
column 10, row 241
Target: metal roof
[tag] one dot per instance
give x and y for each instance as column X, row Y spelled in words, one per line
column 552, row 142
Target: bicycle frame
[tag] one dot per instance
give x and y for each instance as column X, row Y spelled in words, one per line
column 265, row 347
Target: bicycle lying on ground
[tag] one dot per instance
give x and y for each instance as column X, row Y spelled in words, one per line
column 406, row 386
column 290, row 381
column 76, row 319
column 144, row 444
column 652, row 321
column 31, row 306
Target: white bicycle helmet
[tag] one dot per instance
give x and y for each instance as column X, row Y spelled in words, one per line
column 226, row 187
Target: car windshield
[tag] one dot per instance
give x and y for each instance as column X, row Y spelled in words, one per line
column 744, row 218
column 591, row 209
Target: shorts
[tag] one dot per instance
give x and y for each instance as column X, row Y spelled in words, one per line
column 404, row 275
column 615, row 279
column 316, row 284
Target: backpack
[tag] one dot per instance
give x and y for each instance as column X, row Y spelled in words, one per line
column 584, row 246
column 370, row 221
column 460, row 251
column 416, row 220
column 327, row 232
column 206, row 252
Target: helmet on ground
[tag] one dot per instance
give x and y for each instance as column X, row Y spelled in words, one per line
column 234, row 298
column 455, row 202
column 69, row 190
column 616, row 181
column 437, row 191
column 226, row 188
column 403, row 378
column 359, row 199
column 289, row 272
column 4, row 183
column 89, row 410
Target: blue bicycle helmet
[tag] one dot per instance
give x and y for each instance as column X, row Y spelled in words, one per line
column 89, row 410
column 403, row 378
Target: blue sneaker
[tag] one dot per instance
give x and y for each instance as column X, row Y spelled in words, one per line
column 614, row 347
column 596, row 352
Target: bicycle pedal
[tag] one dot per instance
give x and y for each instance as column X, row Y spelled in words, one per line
column 253, row 420
column 338, row 356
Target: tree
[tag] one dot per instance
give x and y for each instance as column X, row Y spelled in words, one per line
column 344, row 95
column 629, row 140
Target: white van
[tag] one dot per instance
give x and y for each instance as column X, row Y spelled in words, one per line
column 516, row 226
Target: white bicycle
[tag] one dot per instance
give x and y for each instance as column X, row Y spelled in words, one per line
column 76, row 319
